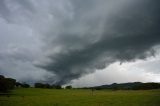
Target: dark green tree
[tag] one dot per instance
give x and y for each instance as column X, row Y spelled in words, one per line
column 6, row 84
column 68, row 87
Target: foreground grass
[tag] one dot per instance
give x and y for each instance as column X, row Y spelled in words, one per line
column 51, row 97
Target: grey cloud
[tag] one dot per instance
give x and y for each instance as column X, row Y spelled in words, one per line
column 129, row 33
column 17, row 63
column 80, row 36
column 16, row 11
column 4, row 11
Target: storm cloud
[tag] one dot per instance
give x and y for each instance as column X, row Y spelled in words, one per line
column 128, row 34
column 77, row 37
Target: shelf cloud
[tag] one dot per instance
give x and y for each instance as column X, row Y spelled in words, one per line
column 73, row 38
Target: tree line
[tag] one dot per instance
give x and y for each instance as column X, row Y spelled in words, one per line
column 49, row 86
column 46, row 85
column 7, row 84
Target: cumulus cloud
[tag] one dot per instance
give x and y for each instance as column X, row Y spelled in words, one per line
column 77, row 37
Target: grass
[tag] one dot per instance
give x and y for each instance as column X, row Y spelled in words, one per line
column 74, row 97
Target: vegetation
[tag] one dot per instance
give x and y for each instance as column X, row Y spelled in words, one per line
column 68, row 87
column 6, row 84
column 129, row 86
column 24, row 85
column 147, row 86
column 41, row 85
column 134, row 94
column 80, row 97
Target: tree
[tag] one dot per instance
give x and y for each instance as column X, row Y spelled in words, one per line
column 58, row 87
column 18, row 84
column 24, row 85
column 147, row 86
column 38, row 85
column 6, row 84
column 68, row 87
column 11, row 83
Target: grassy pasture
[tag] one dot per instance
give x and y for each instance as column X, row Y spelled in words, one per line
column 74, row 97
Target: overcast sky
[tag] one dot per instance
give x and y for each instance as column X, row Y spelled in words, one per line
column 80, row 42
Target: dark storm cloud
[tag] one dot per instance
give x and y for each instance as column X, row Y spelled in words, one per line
column 128, row 34
column 66, row 39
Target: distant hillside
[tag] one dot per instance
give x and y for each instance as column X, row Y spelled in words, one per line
column 130, row 85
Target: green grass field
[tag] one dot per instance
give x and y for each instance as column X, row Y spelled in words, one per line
column 74, row 97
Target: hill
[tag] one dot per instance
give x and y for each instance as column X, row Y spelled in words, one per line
column 130, row 86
